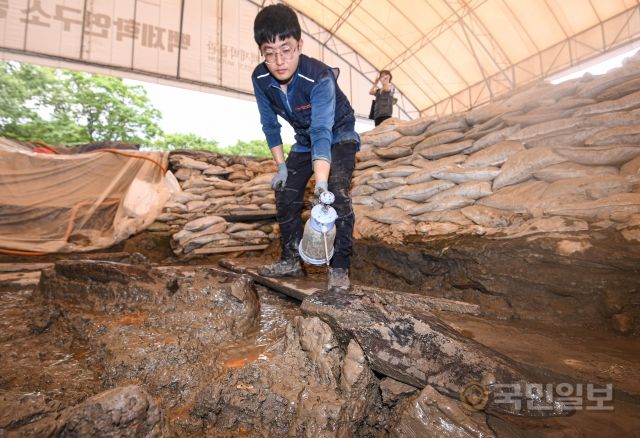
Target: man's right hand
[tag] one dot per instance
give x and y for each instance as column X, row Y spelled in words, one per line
column 280, row 178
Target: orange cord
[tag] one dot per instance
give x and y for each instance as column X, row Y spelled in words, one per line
column 26, row 253
column 125, row 154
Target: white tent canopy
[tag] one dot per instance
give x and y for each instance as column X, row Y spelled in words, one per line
column 445, row 55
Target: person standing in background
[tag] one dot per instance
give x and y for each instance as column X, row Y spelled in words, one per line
column 383, row 90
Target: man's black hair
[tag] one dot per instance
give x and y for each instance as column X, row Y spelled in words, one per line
column 276, row 22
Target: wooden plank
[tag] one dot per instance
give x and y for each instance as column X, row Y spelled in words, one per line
column 298, row 288
column 431, row 303
column 248, row 215
column 225, row 249
column 19, row 267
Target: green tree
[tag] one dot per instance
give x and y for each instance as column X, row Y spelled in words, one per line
column 186, row 141
column 68, row 107
column 254, row 148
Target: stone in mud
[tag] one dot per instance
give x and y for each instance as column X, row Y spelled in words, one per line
column 423, row 191
column 391, row 153
column 431, row 414
column 569, row 170
column 394, row 391
column 460, row 174
column 386, row 183
column 494, row 155
column 391, row 215
column 308, row 384
column 402, row 339
column 429, row 167
column 123, row 411
column 445, row 150
column 520, row 166
column 611, row 155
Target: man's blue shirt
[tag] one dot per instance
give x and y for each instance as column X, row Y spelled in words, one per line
column 322, row 102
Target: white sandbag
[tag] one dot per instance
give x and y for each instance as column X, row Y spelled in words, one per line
column 519, row 167
column 568, row 170
column 389, row 216
column 423, row 191
column 430, row 167
column 494, row 155
column 613, row 155
column 459, row 174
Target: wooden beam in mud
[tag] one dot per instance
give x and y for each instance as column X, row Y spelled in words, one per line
column 300, row 288
column 248, row 215
column 225, row 249
column 404, row 340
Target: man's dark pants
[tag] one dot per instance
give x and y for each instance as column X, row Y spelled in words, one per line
column 289, row 202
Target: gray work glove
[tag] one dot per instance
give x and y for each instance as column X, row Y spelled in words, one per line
column 320, row 188
column 280, row 178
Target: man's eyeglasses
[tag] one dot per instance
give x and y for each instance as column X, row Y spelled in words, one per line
column 285, row 51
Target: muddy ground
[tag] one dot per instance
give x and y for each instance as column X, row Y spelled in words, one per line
column 190, row 350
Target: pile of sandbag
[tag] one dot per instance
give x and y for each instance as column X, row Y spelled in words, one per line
column 213, row 234
column 214, row 185
column 548, row 158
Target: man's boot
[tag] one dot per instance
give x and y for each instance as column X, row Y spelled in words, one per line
column 283, row 268
column 338, row 278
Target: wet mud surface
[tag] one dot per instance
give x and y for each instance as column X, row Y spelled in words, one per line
column 194, row 351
